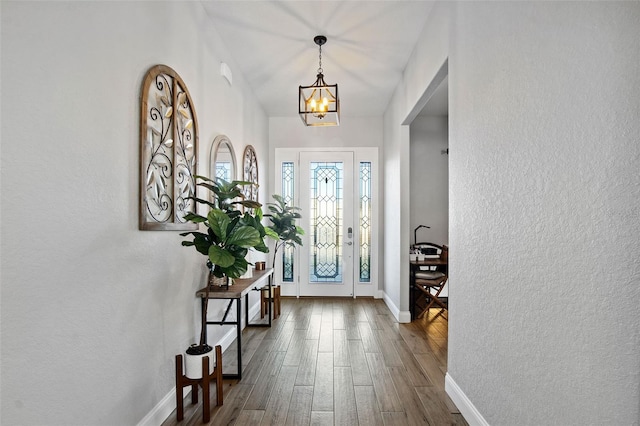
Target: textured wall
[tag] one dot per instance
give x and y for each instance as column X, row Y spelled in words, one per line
column 430, row 179
column 93, row 310
column 545, row 199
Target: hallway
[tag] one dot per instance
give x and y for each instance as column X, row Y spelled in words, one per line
column 336, row 361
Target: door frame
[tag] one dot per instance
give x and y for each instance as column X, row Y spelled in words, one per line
column 360, row 154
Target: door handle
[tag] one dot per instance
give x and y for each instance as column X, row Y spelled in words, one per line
column 349, row 243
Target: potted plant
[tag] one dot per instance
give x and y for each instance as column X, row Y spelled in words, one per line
column 283, row 226
column 228, row 236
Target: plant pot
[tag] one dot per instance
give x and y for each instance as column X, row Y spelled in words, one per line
column 217, row 283
column 193, row 360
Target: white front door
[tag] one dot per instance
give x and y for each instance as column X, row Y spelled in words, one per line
column 336, row 191
column 326, row 200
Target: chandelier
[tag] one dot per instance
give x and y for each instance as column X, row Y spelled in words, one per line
column 319, row 104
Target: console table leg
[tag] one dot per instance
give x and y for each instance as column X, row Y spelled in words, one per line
column 218, row 374
column 239, row 336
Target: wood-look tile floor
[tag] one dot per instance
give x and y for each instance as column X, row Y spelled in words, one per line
column 336, row 361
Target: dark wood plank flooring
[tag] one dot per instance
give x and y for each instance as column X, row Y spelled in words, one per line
column 335, row 361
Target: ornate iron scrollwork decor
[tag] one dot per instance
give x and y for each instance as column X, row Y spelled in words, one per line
column 168, row 151
column 250, row 173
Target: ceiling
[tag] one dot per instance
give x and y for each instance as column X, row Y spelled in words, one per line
column 369, row 44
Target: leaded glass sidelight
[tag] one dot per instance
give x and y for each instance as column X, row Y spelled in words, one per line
column 287, row 194
column 365, row 222
column 326, row 219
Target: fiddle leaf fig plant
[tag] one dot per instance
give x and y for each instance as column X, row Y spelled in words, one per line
column 283, row 226
column 228, row 235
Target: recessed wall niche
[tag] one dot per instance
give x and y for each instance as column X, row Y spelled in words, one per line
column 168, row 151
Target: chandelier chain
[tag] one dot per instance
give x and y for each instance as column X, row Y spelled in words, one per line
column 320, row 61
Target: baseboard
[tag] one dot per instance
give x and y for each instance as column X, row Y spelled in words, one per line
column 404, row 317
column 392, row 306
column 165, row 407
column 163, row 410
column 464, row 404
column 400, row 316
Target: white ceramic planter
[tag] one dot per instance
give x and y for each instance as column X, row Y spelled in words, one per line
column 193, row 364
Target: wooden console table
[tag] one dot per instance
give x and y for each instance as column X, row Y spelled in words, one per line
column 240, row 287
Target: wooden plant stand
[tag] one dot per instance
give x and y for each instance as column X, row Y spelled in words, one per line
column 204, row 382
column 265, row 300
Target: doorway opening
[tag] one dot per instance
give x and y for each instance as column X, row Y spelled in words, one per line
column 429, row 167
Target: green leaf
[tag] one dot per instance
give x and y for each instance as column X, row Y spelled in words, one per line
column 261, row 247
column 271, row 233
column 221, row 257
column 244, row 236
column 200, row 241
column 195, row 218
column 218, row 222
column 248, row 203
column 201, row 201
column 237, row 269
column 203, row 178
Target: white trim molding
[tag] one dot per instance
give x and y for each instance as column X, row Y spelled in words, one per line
column 464, row 404
column 403, row 317
column 163, row 409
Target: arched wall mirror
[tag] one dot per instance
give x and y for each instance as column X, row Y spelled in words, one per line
column 222, row 163
column 250, row 173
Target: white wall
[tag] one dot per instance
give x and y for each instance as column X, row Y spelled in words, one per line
column 429, row 177
column 290, row 132
column 93, row 310
column 544, row 325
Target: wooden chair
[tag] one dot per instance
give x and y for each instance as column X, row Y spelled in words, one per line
column 265, row 300
column 205, row 382
column 428, row 284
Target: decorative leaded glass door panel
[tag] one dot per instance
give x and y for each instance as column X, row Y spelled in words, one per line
column 326, row 194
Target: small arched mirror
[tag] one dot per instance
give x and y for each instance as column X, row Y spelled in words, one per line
column 223, row 160
column 250, row 173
